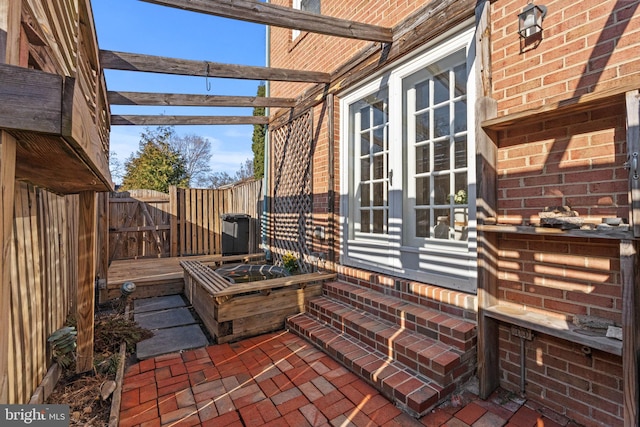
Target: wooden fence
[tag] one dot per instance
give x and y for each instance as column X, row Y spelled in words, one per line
column 43, row 282
column 187, row 221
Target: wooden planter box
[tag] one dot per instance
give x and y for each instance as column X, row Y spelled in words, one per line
column 236, row 311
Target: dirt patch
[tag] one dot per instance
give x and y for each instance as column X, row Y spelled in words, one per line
column 82, row 392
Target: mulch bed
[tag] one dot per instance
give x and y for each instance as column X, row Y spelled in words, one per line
column 82, row 392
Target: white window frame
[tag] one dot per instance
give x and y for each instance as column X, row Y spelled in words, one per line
column 297, row 4
column 447, row 263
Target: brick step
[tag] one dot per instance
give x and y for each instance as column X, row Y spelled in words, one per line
column 438, row 325
column 437, row 361
column 414, row 393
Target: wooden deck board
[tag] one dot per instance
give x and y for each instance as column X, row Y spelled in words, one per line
column 159, row 272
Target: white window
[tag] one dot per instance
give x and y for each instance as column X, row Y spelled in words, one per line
column 408, row 172
column 312, row 6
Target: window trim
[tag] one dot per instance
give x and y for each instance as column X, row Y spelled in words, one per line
column 387, row 253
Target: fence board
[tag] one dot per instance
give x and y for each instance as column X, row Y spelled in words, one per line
column 144, row 223
column 39, row 284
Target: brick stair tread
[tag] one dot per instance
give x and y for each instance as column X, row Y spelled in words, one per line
column 430, row 322
column 422, row 354
column 416, row 393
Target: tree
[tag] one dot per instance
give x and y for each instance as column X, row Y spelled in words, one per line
column 196, row 152
column 259, row 132
column 220, row 179
column 246, row 171
column 217, row 180
column 157, row 164
column 115, row 167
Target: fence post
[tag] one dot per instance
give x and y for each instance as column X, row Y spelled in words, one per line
column 86, row 276
column 173, row 220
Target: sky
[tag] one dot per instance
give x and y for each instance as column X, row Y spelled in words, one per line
column 138, row 27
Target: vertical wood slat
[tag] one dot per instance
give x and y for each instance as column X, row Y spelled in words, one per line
column 633, row 151
column 7, row 196
column 10, row 13
column 198, row 221
column 182, row 215
column 486, row 201
column 629, row 269
column 86, row 277
column 630, row 330
column 173, row 220
column 102, row 246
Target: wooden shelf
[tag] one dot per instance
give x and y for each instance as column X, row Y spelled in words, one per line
column 599, row 99
column 553, row 326
column 612, row 234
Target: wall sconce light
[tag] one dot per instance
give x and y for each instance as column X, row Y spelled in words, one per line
column 530, row 20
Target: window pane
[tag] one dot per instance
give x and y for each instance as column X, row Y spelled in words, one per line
column 379, row 114
column 422, row 127
column 422, row 223
column 364, row 143
column 422, row 95
column 365, row 221
column 378, row 167
column 460, row 196
column 442, row 224
column 378, row 222
column 441, row 188
column 422, row 158
column 365, row 174
column 310, row 5
column 365, row 120
column 461, row 79
column 441, row 155
column 441, row 121
column 422, row 191
column 441, row 87
column 461, row 152
column 378, row 194
column 365, row 195
column 460, row 120
column 378, row 140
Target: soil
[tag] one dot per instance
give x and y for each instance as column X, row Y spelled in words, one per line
column 82, row 392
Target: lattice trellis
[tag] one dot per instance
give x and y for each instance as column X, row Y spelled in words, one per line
column 292, row 199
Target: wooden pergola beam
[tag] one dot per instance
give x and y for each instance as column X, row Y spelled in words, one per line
column 285, row 17
column 161, row 120
column 187, row 67
column 174, row 99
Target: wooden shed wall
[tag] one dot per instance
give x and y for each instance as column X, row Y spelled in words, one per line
column 44, row 255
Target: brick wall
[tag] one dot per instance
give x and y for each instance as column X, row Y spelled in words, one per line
column 319, row 52
column 573, row 159
column 576, row 160
column 587, row 45
column 583, row 384
column 561, row 277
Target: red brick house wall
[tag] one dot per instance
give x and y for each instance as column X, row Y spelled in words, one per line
column 587, row 46
column 573, row 159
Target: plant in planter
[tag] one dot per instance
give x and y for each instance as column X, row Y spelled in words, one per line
column 290, row 262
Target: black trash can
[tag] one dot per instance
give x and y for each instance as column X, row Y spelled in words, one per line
column 235, row 234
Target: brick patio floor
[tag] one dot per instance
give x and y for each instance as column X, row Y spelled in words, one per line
column 279, row 379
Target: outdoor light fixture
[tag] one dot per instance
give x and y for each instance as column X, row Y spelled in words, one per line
column 530, row 20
